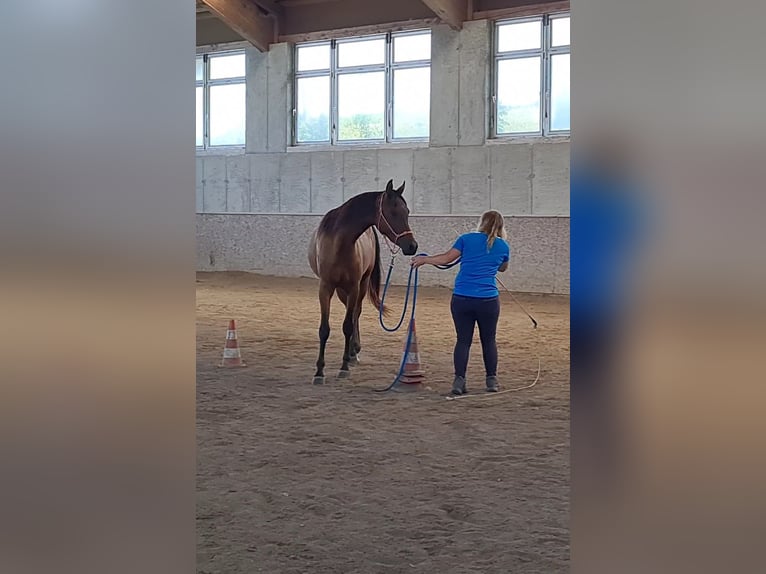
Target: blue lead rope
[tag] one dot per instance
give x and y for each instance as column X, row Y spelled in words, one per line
column 412, row 284
column 406, row 297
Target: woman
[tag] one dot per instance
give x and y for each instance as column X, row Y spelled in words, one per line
column 475, row 298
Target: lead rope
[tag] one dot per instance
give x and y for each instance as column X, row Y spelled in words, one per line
column 406, row 296
column 412, row 281
column 412, row 285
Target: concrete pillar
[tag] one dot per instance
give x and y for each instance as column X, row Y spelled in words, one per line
column 256, row 96
column 445, row 77
column 269, row 95
column 474, row 83
column 460, row 84
column 280, row 96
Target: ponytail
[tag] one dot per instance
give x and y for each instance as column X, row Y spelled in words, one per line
column 492, row 224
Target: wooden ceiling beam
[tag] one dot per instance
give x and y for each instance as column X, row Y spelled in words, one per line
column 271, row 7
column 246, row 19
column 452, row 12
column 294, row 3
column 415, row 24
column 522, row 11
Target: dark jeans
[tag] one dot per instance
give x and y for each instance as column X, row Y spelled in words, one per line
column 466, row 312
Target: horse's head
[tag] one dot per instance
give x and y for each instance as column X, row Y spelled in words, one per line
column 393, row 219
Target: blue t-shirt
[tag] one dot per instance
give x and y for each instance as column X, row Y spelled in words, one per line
column 478, row 265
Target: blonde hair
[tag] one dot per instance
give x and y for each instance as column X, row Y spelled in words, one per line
column 492, row 224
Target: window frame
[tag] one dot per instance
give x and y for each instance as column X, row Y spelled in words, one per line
column 545, row 53
column 388, row 67
column 206, row 83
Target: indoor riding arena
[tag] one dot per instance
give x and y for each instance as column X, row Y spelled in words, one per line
column 302, row 105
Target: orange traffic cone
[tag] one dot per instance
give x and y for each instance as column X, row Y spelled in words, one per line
column 413, row 374
column 231, row 356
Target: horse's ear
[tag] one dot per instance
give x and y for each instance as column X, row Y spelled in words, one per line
column 390, row 186
column 401, row 189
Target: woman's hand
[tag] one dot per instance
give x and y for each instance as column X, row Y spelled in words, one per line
column 419, row 261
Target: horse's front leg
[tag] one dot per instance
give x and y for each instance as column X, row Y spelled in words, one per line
column 348, row 331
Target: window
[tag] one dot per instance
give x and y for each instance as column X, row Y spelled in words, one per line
column 220, row 99
column 531, row 81
column 370, row 89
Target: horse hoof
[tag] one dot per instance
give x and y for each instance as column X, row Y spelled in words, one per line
column 344, row 374
column 318, row 380
column 353, row 361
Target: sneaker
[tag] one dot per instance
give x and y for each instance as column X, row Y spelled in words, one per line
column 492, row 386
column 458, row 386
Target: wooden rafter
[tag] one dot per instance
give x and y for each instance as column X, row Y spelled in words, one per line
column 271, row 7
column 294, row 3
column 246, row 19
column 416, row 24
column 521, row 11
column 452, row 12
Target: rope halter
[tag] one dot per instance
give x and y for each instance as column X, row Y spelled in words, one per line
column 381, row 217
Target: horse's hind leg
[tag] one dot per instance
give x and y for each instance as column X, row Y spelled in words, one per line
column 353, row 360
column 325, row 296
column 348, row 330
column 356, row 345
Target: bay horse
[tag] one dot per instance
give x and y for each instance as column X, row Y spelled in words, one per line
column 344, row 252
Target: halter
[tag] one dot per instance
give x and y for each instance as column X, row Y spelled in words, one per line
column 395, row 249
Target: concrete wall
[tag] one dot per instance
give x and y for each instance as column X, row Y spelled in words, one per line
column 277, row 245
column 516, row 179
column 254, row 204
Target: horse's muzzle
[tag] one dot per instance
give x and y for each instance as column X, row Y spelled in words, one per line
column 408, row 245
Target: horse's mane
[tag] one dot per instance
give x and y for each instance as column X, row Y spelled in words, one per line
column 330, row 219
column 330, row 222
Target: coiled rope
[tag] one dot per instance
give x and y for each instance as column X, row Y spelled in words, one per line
column 412, row 286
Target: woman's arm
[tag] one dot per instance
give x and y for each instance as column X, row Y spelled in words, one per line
column 442, row 259
column 506, row 256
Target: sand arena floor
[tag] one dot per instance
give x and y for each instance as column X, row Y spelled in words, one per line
column 296, row 478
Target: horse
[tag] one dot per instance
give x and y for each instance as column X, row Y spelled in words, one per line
column 344, row 253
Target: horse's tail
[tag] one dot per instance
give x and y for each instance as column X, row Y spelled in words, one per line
column 373, row 288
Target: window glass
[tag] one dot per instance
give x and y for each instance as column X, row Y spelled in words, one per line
column 412, row 47
column 520, row 36
column 361, row 52
column 412, row 102
column 200, row 118
column 314, row 57
column 518, row 95
column 227, row 114
column 361, row 106
column 560, row 32
column 560, row 92
column 230, row 66
column 313, row 110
